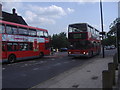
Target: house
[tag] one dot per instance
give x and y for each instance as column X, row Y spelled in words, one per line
column 14, row 17
column 11, row 17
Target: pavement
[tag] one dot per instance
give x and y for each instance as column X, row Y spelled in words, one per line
column 88, row 75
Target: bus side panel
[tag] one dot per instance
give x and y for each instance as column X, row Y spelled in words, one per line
column 20, row 54
column 4, row 55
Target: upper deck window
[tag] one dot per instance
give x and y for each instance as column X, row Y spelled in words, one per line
column 15, row 30
column 77, row 28
column 2, row 28
column 11, row 30
column 32, row 32
column 40, row 33
column 45, row 34
column 23, row 31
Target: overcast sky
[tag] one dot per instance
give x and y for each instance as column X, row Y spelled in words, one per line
column 56, row 16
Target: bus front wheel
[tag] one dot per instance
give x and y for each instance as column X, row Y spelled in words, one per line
column 11, row 59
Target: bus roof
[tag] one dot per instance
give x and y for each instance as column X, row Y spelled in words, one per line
column 20, row 25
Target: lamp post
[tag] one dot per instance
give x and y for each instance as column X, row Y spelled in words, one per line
column 102, row 27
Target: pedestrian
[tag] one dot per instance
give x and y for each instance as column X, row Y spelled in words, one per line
column 51, row 50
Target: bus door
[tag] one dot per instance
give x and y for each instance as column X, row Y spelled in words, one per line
column 4, row 50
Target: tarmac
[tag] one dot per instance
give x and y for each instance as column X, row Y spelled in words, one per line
column 88, row 75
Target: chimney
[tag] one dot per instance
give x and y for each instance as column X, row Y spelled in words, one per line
column 14, row 11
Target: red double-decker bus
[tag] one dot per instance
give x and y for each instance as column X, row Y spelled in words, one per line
column 23, row 42
column 84, row 40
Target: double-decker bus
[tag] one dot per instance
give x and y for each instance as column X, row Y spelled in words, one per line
column 84, row 40
column 23, row 42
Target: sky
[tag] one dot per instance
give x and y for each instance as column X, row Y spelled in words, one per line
column 56, row 16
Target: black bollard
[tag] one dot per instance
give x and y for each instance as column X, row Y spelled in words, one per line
column 111, row 68
column 106, row 80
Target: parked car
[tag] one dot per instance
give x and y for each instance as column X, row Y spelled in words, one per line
column 63, row 49
column 110, row 47
column 107, row 47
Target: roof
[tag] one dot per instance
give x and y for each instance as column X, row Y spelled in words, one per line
column 13, row 18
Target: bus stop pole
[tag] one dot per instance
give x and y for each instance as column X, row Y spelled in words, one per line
column 102, row 27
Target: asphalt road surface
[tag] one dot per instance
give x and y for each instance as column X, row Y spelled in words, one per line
column 28, row 73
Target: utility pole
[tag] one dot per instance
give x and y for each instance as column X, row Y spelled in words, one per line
column 102, row 27
column 118, row 34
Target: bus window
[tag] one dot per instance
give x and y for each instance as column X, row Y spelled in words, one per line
column 45, row 34
column 9, row 47
column 2, row 29
column 40, row 33
column 14, row 29
column 69, row 29
column 15, row 46
column 3, row 47
column 30, row 46
column 32, row 32
column 23, row 46
column 9, row 30
column 23, row 31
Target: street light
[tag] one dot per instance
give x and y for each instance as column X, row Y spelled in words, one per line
column 102, row 27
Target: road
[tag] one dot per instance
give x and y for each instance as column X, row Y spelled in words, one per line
column 28, row 73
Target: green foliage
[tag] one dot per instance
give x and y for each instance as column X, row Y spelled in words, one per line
column 59, row 40
column 111, row 40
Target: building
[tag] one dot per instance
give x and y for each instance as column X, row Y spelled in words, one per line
column 11, row 17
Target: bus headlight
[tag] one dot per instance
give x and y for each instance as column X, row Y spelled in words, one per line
column 69, row 52
column 84, row 53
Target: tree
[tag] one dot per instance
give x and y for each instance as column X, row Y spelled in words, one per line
column 110, row 40
column 59, row 40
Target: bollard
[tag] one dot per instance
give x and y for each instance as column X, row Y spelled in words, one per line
column 111, row 68
column 115, row 61
column 106, row 80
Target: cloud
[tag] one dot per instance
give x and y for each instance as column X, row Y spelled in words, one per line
column 45, row 15
column 36, row 15
column 50, row 11
column 35, row 19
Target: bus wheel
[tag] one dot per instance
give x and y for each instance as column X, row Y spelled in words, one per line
column 11, row 59
column 41, row 54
